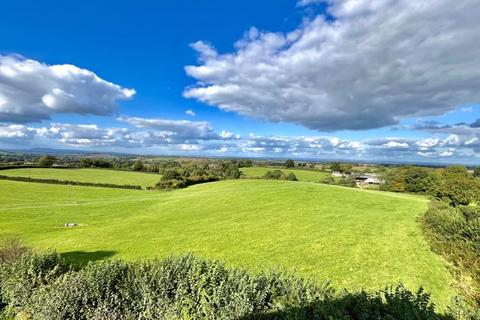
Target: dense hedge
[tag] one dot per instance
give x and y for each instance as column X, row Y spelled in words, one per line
column 7, row 167
column 454, row 232
column 67, row 182
column 42, row 286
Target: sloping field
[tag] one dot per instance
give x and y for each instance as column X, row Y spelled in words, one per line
column 87, row 175
column 356, row 238
column 301, row 174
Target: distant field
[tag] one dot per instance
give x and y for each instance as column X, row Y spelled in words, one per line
column 87, row 175
column 356, row 238
column 301, row 174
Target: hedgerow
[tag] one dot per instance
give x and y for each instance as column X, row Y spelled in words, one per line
column 43, row 286
column 67, row 182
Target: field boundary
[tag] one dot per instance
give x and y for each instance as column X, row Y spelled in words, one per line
column 68, row 182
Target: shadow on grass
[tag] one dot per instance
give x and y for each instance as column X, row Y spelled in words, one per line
column 81, row 258
column 358, row 306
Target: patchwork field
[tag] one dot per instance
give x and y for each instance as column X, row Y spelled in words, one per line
column 301, row 174
column 356, row 238
column 87, row 175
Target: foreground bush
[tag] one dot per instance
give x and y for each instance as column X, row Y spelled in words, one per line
column 41, row 286
column 454, row 232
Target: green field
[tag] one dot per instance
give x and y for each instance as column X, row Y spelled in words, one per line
column 356, row 238
column 87, row 175
column 301, row 174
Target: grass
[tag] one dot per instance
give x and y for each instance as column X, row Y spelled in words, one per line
column 87, row 175
column 301, row 174
column 356, row 238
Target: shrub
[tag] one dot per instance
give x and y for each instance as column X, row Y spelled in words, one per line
column 40, row 287
column 454, row 232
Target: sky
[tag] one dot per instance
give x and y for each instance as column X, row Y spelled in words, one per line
column 383, row 80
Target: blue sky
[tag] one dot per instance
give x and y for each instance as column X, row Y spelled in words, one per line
column 345, row 79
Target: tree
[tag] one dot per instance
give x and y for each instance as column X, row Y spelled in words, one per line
column 137, row 165
column 289, row 163
column 232, row 172
column 336, row 166
column 46, row 161
column 476, row 172
column 459, row 190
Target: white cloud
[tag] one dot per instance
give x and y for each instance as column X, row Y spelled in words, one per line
column 304, row 3
column 15, row 133
column 175, row 129
column 33, row 91
column 190, row 113
column 377, row 62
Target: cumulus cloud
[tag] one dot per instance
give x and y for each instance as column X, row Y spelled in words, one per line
column 33, row 91
column 375, row 63
column 15, row 133
column 176, row 129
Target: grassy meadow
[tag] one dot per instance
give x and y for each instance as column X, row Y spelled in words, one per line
column 87, row 175
column 356, row 238
column 301, row 174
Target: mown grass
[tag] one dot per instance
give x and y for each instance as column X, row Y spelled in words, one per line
column 87, row 175
column 301, row 174
column 356, row 238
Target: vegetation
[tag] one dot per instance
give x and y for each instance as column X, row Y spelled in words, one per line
column 289, row 164
column 67, row 182
column 177, row 175
column 42, row 286
column 371, row 239
column 86, row 175
column 452, row 184
column 455, row 233
column 46, row 161
column 301, row 174
column 279, row 175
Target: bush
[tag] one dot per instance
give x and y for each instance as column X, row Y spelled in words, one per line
column 40, row 287
column 454, row 232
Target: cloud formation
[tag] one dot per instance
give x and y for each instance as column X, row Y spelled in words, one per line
column 461, row 141
column 32, row 91
column 375, row 63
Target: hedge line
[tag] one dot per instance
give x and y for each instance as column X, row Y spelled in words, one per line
column 42, row 286
column 18, row 167
column 73, row 183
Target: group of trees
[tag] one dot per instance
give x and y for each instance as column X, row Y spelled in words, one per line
column 279, row 175
column 453, row 184
column 43, row 286
column 176, row 175
column 291, row 164
column 341, row 167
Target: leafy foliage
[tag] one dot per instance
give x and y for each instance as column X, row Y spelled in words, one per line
column 452, row 184
column 46, row 161
column 279, row 175
column 455, row 233
column 41, row 286
column 67, row 182
column 176, row 175
column 289, row 164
